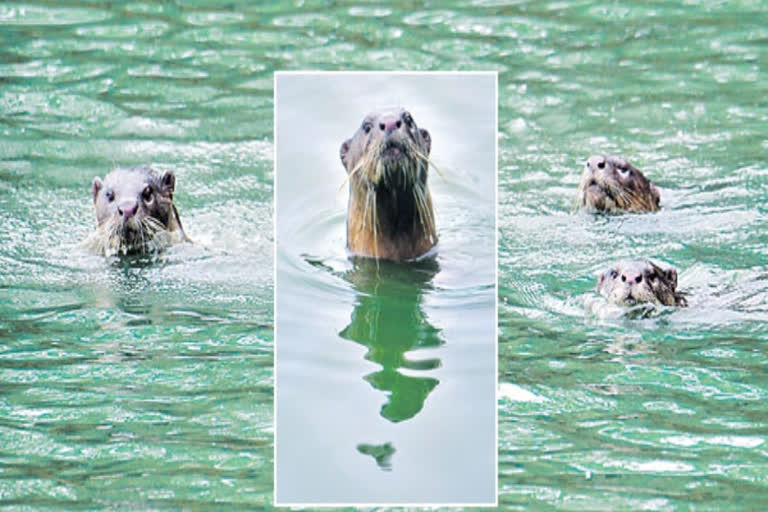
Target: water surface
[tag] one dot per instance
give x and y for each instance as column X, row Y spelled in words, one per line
column 599, row 409
column 385, row 372
column 139, row 382
column 151, row 384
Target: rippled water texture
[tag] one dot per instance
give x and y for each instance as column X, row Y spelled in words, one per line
column 144, row 382
column 601, row 410
column 150, row 385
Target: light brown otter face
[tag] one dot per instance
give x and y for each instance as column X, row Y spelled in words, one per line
column 388, row 147
column 390, row 208
column 134, row 211
column 633, row 282
column 611, row 184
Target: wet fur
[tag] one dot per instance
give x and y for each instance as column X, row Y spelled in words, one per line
column 155, row 225
column 634, row 282
column 390, row 214
column 611, row 184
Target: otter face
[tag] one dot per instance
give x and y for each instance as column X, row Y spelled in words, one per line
column 388, row 146
column 633, row 282
column 389, row 213
column 132, row 206
column 611, row 184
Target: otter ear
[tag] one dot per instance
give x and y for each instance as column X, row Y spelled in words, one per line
column 427, row 139
column 97, row 186
column 343, row 152
column 671, row 276
column 656, row 195
column 168, row 182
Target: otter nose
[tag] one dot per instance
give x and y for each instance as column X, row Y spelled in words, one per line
column 127, row 209
column 389, row 124
column 632, row 278
column 596, row 162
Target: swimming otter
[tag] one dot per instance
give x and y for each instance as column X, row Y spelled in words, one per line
column 611, row 184
column 134, row 212
column 633, row 282
column 389, row 215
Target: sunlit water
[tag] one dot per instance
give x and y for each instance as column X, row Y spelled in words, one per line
column 142, row 384
column 385, row 372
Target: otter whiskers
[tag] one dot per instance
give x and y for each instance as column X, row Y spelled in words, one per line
column 372, row 169
column 389, row 212
column 109, row 238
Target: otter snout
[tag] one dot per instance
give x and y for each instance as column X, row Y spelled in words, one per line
column 631, row 278
column 632, row 291
column 595, row 162
column 594, row 174
column 127, row 209
column 389, row 124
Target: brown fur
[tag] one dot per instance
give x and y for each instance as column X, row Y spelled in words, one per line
column 633, row 282
column 390, row 214
column 611, row 184
column 135, row 212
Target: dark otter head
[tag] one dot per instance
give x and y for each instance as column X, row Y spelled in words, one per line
column 611, row 184
column 134, row 211
column 633, row 282
column 390, row 209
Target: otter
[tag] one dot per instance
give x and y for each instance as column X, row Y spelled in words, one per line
column 611, row 184
column 135, row 212
column 638, row 281
column 389, row 215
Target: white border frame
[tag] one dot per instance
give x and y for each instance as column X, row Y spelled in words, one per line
column 495, row 503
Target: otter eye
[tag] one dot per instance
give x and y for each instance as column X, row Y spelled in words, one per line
column 614, row 274
column 146, row 194
column 625, row 171
column 110, row 195
column 639, row 279
column 367, row 127
column 601, row 164
column 623, row 279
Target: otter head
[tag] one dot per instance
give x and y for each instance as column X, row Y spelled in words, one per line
column 611, row 184
column 633, row 282
column 390, row 208
column 388, row 147
column 134, row 207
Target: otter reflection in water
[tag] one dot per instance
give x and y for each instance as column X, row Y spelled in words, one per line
column 388, row 319
column 381, row 454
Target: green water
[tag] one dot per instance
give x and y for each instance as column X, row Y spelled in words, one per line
column 599, row 410
column 134, row 383
column 149, row 384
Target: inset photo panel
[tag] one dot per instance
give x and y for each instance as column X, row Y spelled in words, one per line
column 385, row 291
